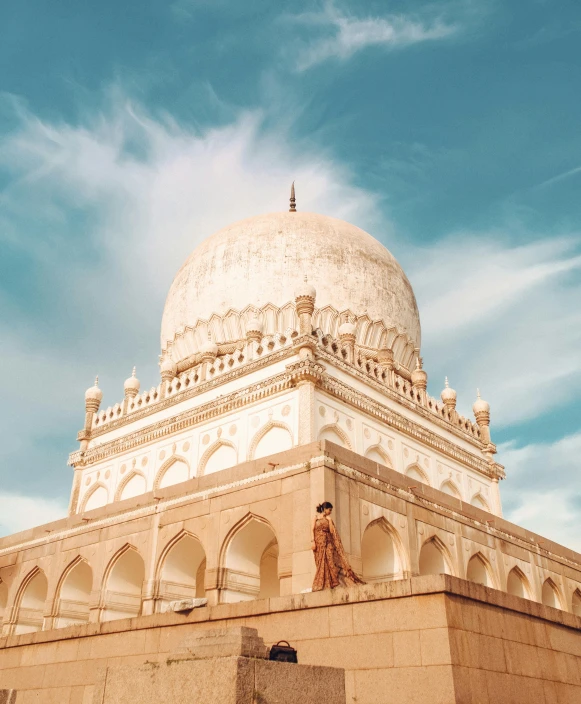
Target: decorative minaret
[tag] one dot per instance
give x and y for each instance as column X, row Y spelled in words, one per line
column 208, row 353
column 482, row 414
column 305, row 295
column 448, row 397
column 419, row 378
column 131, row 388
column 254, row 330
column 293, row 200
column 93, row 398
column 347, row 336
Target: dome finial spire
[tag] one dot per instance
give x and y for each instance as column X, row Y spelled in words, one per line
column 293, row 200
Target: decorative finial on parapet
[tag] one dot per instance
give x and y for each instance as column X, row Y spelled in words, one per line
column 254, row 329
column 305, row 295
column 293, row 200
column 93, row 397
column 419, row 376
column 448, row 396
column 481, row 410
column 168, row 369
column 131, row 385
column 209, row 350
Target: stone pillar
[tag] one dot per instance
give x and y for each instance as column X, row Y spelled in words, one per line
column 150, row 586
column 495, row 492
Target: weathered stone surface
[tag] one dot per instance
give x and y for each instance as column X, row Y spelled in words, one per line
column 7, row 696
column 224, row 642
column 184, row 605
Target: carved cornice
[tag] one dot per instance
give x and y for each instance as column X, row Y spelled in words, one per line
column 402, row 424
column 306, row 370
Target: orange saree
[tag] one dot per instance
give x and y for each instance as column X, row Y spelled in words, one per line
column 333, row 568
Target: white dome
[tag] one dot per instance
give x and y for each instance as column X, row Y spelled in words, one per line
column 260, row 262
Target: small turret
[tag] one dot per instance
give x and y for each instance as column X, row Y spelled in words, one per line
column 448, row 396
column 93, row 397
column 419, row 377
column 131, row 385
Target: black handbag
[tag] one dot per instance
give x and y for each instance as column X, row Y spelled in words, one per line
column 283, row 653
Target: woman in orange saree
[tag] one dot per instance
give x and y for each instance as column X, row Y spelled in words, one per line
column 333, row 568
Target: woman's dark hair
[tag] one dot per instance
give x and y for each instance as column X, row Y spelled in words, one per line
column 323, row 506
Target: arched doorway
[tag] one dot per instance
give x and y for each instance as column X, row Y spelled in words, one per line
column 380, row 553
column 250, row 562
column 516, row 584
column 123, row 586
column 550, row 594
column 182, row 570
column 433, row 559
column 74, row 595
column 478, row 571
column 31, row 604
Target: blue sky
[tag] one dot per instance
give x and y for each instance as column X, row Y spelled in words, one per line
column 130, row 131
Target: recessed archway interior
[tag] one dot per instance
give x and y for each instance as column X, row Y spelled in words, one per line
column 450, row 488
column 332, row 435
column 550, row 594
column 74, row 596
column 251, row 562
column 432, row 559
column 177, row 472
column 379, row 555
column 479, row 501
column 3, row 598
column 224, row 456
column 98, row 498
column 135, row 486
column 415, row 473
column 477, row 571
column 576, row 602
column 122, row 597
column 277, row 439
column 30, row 616
column 183, row 570
column 376, row 454
column 516, row 583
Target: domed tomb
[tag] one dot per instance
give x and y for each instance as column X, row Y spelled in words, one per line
column 250, row 270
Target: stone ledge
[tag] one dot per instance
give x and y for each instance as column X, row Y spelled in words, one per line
column 452, row 587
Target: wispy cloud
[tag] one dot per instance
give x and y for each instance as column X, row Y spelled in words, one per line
column 20, row 512
column 542, row 489
column 504, row 318
column 340, row 36
column 560, row 177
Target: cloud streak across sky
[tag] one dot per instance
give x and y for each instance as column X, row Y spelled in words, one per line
column 338, row 35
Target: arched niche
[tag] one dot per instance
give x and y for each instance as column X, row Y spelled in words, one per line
column 448, row 487
column 123, row 585
column 376, row 453
column 3, row 599
column 550, row 594
column 74, row 595
column 576, row 602
column 434, row 558
column 333, row 433
column 250, row 559
column 31, row 603
column 517, row 584
column 416, row 473
column 479, row 571
column 274, row 437
column 480, row 502
column 174, row 471
column 221, row 455
column 96, row 497
column 182, row 570
column 381, row 552
column 134, row 485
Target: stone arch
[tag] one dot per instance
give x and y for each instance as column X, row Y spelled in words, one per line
column 181, row 569
column 3, row 599
column 173, row 471
column 435, row 557
column 449, row 487
column 334, row 433
column 550, row 594
column 30, row 603
column 259, row 448
column 415, row 472
column 125, row 490
column 382, row 553
column 479, row 570
column 480, row 502
column 96, row 497
column 517, row 584
column 575, row 602
column 378, row 454
column 249, row 560
column 73, row 594
column 122, row 585
column 207, row 466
